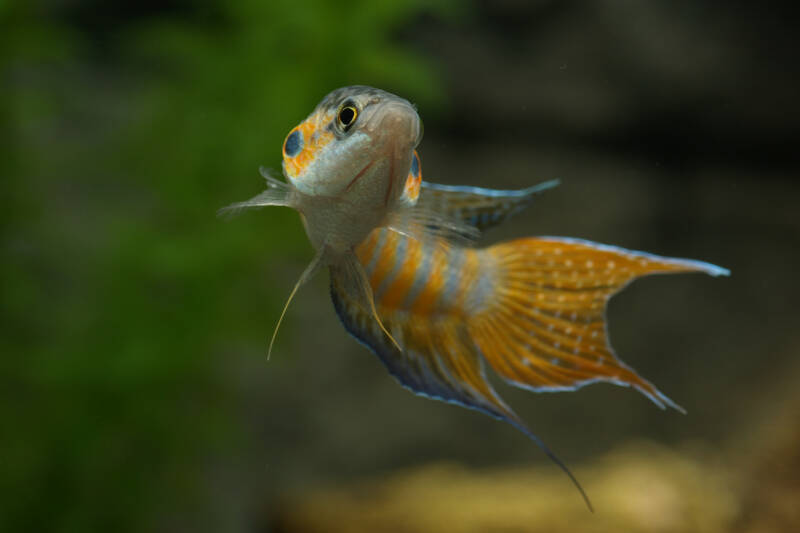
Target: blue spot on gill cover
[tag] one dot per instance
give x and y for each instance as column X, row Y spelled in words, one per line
column 293, row 144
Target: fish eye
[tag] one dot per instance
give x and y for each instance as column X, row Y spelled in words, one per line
column 347, row 115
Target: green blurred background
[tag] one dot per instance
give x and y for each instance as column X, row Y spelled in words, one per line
column 135, row 391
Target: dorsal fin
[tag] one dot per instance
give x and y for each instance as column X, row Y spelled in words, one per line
column 477, row 206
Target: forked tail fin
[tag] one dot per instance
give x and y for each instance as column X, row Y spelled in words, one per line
column 544, row 328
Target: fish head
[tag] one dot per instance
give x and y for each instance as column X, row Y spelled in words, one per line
column 357, row 144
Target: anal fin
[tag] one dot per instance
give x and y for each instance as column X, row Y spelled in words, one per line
column 437, row 359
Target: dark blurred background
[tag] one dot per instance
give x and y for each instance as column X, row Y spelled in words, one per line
column 136, row 395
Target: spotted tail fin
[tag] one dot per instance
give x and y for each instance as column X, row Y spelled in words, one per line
column 544, row 329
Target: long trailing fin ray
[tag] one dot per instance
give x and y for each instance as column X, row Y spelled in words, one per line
column 477, row 206
column 352, row 274
column 307, row 274
column 555, row 459
column 438, row 359
column 545, row 329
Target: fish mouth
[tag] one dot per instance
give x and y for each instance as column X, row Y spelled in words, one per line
column 396, row 119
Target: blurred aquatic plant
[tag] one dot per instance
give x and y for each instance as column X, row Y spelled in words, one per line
column 124, row 129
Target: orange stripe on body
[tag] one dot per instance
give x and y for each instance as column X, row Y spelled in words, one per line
column 398, row 289
column 448, row 278
column 468, row 276
column 386, row 259
column 426, row 301
column 365, row 250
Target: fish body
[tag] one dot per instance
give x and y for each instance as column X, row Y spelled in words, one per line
column 408, row 282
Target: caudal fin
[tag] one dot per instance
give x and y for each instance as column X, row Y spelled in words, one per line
column 545, row 327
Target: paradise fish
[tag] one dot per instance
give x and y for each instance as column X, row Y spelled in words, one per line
column 407, row 282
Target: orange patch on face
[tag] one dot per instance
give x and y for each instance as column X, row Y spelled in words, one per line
column 313, row 138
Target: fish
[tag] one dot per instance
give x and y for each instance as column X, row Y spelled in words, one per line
column 409, row 281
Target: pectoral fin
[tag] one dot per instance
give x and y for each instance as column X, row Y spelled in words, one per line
column 277, row 193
